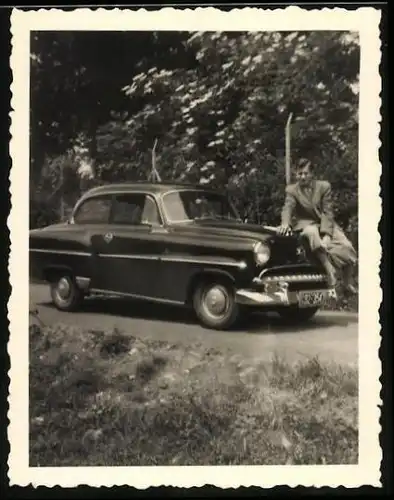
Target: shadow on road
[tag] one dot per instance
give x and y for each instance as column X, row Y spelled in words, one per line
column 278, row 325
column 256, row 323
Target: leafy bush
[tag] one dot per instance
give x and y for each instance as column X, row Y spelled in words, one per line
column 217, row 102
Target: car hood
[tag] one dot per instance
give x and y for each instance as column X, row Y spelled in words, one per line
column 230, row 229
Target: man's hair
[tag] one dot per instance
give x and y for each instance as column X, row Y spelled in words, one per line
column 304, row 162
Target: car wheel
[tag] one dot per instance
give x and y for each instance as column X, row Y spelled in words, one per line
column 65, row 293
column 215, row 305
column 295, row 315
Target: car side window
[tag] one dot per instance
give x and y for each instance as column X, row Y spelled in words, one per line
column 93, row 211
column 134, row 209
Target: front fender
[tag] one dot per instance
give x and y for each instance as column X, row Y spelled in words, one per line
column 238, row 277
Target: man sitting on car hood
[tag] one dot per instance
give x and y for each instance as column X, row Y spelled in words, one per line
column 308, row 207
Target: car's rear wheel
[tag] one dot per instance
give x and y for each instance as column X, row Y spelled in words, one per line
column 215, row 305
column 65, row 293
column 296, row 315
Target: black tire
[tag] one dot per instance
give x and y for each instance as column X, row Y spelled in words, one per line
column 65, row 293
column 223, row 318
column 296, row 315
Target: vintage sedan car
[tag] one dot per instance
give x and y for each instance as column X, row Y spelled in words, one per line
column 175, row 244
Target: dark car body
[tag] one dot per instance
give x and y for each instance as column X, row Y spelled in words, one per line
column 176, row 244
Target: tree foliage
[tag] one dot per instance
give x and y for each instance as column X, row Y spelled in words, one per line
column 217, row 102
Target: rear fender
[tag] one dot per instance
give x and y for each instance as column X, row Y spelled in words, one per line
column 52, row 272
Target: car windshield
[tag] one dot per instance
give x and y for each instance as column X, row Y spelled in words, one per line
column 191, row 205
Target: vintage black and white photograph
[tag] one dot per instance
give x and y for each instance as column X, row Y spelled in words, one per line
column 201, row 259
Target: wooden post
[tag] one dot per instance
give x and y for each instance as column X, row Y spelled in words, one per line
column 155, row 173
column 288, row 145
column 61, row 192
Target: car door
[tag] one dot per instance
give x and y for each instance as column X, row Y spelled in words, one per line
column 91, row 221
column 129, row 251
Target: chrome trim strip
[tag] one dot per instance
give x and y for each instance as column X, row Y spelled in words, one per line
column 192, row 260
column 166, row 258
column 60, row 252
column 129, row 256
column 136, row 296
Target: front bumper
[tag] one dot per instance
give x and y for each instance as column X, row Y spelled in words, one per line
column 301, row 291
column 301, row 298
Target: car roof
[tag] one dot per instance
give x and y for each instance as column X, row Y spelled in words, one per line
column 146, row 187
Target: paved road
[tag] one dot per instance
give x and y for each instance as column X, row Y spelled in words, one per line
column 330, row 336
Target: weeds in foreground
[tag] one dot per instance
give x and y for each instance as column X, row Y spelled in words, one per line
column 100, row 398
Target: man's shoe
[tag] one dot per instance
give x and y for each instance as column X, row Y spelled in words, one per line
column 332, row 280
column 350, row 289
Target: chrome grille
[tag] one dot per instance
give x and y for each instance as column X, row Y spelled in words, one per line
column 293, row 278
column 307, row 281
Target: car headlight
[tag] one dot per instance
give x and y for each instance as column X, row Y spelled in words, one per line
column 262, row 253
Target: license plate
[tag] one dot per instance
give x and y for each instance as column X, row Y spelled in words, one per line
column 311, row 299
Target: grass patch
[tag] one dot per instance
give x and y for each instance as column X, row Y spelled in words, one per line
column 99, row 398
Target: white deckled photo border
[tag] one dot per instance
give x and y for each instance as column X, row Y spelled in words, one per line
column 365, row 21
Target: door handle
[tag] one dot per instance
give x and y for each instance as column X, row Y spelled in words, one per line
column 108, row 237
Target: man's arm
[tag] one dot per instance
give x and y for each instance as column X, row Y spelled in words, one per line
column 327, row 221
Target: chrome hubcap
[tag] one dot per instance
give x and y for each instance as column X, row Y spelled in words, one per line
column 64, row 289
column 216, row 301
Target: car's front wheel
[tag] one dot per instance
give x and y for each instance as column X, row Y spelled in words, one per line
column 296, row 315
column 215, row 305
column 65, row 293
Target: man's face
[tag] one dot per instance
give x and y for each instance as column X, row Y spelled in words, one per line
column 304, row 176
